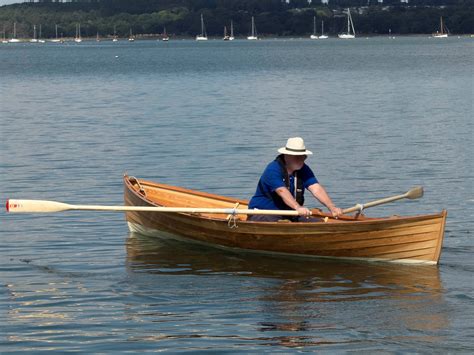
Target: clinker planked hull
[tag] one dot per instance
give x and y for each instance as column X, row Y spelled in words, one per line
column 416, row 239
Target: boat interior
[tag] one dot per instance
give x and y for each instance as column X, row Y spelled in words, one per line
column 173, row 196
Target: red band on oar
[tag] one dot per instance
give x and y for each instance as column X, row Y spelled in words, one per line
column 6, row 206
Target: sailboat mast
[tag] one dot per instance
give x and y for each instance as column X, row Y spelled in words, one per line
column 231, row 28
column 348, row 21
column 202, row 26
column 253, row 27
column 352, row 24
column 314, row 25
column 441, row 24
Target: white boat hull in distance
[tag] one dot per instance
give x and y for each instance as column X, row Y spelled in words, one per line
column 323, row 37
column 14, row 40
column 252, row 38
column 55, row 41
column 445, row 35
column 201, row 38
column 77, row 40
column 346, row 36
column 313, row 37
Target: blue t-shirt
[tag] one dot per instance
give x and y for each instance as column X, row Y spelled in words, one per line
column 273, row 178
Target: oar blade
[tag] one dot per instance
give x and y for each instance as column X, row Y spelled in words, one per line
column 35, row 206
column 415, row 193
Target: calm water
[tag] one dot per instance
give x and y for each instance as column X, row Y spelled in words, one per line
column 380, row 115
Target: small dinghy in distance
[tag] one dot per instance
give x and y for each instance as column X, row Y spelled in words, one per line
column 411, row 239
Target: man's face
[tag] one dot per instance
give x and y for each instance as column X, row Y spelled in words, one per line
column 295, row 162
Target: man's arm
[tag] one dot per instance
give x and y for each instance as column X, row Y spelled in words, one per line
column 291, row 202
column 320, row 193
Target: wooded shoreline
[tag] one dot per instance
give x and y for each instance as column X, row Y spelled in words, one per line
column 273, row 18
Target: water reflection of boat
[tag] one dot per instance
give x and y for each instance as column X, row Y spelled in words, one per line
column 306, row 295
column 171, row 256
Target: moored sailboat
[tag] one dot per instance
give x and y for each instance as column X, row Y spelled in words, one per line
column 226, row 36
column 165, row 37
column 14, row 39
column 78, row 38
column 56, row 38
column 131, row 38
column 443, row 32
column 231, row 37
column 314, row 35
column 350, row 26
column 34, row 39
column 203, row 35
column 323, row 36
column 114, row 38
column 253, row 35
column 40, row 40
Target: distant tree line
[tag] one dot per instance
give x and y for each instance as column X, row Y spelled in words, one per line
column 273, row 17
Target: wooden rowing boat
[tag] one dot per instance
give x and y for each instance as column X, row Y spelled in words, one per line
column 413, row 239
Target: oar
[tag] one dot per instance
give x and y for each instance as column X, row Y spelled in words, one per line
column 43, row 206
column 412, row 194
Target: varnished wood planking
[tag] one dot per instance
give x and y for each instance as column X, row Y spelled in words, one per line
column 415, row 237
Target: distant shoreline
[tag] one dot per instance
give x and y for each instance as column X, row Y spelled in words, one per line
column 240, row 39
column 277, row 19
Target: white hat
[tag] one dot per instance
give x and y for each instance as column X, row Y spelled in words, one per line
column 295, row 146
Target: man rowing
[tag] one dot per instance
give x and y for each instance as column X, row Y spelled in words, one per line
column 282, row 185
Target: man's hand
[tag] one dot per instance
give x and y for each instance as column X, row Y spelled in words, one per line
column 335, row 211
column 303, row 211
